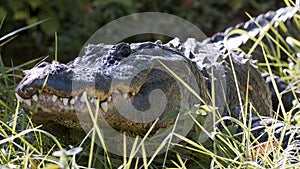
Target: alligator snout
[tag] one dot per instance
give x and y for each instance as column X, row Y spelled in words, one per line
column 52, row 77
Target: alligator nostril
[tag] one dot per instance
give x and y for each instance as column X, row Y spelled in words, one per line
column 111, row 61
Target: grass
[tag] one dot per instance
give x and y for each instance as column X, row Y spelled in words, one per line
column 24, row 145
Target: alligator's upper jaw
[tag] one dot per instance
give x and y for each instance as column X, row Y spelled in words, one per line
column 60, row 80
column 51, row 90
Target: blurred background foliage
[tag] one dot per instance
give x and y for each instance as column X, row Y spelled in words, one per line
column 76, row 20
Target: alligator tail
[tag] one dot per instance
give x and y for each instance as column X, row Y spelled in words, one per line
column 257, row 26
column 289, row 94
column 267, row 130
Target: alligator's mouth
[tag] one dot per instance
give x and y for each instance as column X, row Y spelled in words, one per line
column 49, row 108
column 54, row 103
column 48, row 105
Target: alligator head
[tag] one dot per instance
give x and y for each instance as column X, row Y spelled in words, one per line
column 132, row 85
column 128, row 82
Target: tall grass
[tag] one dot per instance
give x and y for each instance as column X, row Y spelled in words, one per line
column 24, row 145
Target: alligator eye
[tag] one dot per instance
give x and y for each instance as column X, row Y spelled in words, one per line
column 123, row 50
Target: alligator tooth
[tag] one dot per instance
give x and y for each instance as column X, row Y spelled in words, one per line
column 92, row 100
column 109, row 99
column 19, row 98
column 54, row 98
column 116, row 92
column 125, row 95
column 65, row 101
column 82, row 99
column 35, row 97
column 294, row 102
column 95, row 101
column 104, row 106
column 75, row 98
column 28, row 102
column 72, row 101
column 133, row 93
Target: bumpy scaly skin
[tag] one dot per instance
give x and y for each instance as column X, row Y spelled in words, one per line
column 55, row 90
column 267, row 25
column 282, row 22
column 253, row 28
column 254, row 25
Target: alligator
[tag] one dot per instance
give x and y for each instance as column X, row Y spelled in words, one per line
column 136, row 77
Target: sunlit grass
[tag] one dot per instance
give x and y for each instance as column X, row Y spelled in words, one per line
column 24, row 145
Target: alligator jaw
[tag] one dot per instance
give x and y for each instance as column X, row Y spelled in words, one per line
column 47, row 102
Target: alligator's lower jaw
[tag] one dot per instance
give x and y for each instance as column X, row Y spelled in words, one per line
column 47, row 106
